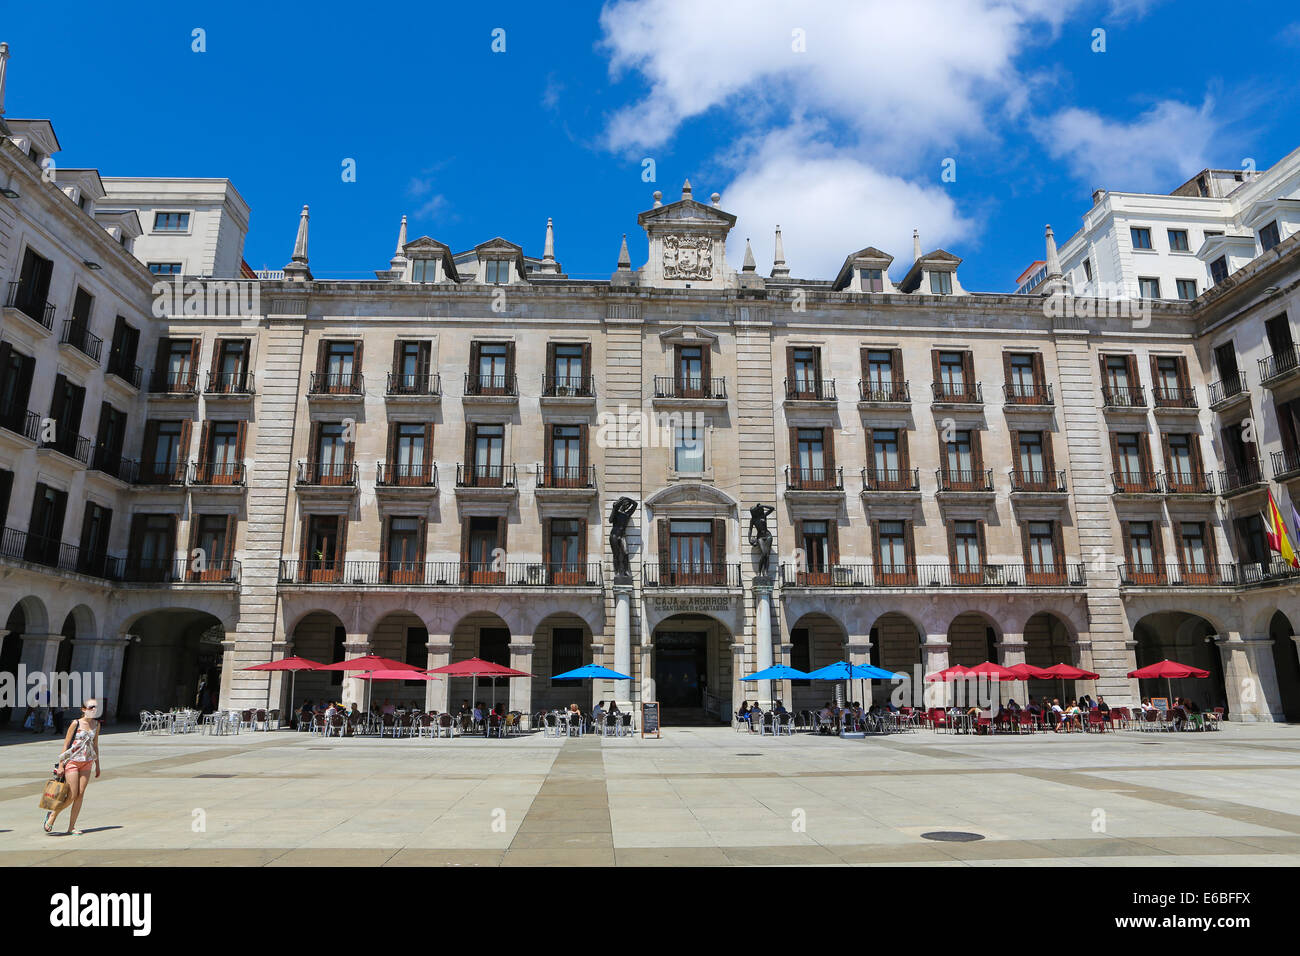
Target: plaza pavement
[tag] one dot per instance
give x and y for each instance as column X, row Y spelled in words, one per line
column 698, row 796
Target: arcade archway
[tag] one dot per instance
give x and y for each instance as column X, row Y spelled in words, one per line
column 1188, row 639
column 692, row 670
column 171, row 654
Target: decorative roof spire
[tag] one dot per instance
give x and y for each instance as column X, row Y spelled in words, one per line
column 549, row 265
column 297, row 270
column 4, row 59
column 396, row 263
column 916, row 246
column 779, row 269
column 624, row 260
column 1053, row 260
column 749, row 264
column 686, row 189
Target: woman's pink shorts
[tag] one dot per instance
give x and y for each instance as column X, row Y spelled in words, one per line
column 81, row 766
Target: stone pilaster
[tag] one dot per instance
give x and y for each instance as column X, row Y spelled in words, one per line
column 435, row 695
column 934, row 658
column 521, row 688
column 1250, row 679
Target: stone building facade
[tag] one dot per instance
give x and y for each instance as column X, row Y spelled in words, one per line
column 423, row 466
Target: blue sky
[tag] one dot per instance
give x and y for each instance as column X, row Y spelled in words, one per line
column 831, row 118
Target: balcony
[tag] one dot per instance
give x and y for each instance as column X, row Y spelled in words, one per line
column 424, row 387
column 1186, row 483
column 32, row 307
column 217, row 475
column 814, row 480
column 891, row 481
column 165, row 383
column 568, row 390
column 113, row 464
column 947, row 394
column 991, row 577
column 341, row 386
column 439, row 574
column 1037, row 482
column 799, row 392
column 883, row 394
column 1286, row 465
column 229, row 385
column 689, row 391
column 1228, row 392
column 1239, row 481
column 339, row 475
column 1027, row 396
column 20, row 421
column 565, row 481
column 1138, row 575
column 690, row 575
column 964, row 482
column 1137, row 483
column 411, row 477
column 162, row 473
column 80, row 339
column 495, row 389
column 124, row 370
column 1279, row 367
column 71, row 445
column 173, row 571
column 35, row 549
column 1123, row 398
column 1174, row 399
column 492, row 482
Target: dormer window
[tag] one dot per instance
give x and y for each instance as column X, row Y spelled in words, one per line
column 171, row 222
column 1219, row 269
column 424, row 270
column 871, row 280
column 941, row 283
column 1269, row 237
column 496, row 271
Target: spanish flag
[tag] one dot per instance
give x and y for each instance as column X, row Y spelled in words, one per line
column 1276, row 533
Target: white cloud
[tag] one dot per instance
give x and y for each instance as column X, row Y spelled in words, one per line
column 899, row 75
column 829, row 204
column 1154, row 152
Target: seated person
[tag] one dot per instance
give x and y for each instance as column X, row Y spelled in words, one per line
column 613, row 707
column 598, row 711
column 779, row 709
column 1103, row 706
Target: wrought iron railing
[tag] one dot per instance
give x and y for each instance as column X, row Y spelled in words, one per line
column 1279, row 364
column 423, row 383
column 802, row 390
column 29, row 304
column 565, row 476
column 217, row 473
column 976, row 576
column 891, row 479
column 1224, row 391
column 884, row 392
column 486, row 476
column 452, row 574
column 813, row 479
column 958, row 393
column 568, row 386
column 690, row 574
column 480, row 384
column 1137, row 482
column 1173, row 397
column 82, row 339
column 406, row 474
column 1027, row 394
column 327, row 473
column 1043, row 481
column 1123, row 396
column 336, row 383
column 953, row 480
column 230, row 383
column 670, row 386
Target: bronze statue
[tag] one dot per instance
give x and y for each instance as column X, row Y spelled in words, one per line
column 620, row 515
column 760, row 536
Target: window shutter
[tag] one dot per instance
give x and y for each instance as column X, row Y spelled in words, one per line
column 214, row 368
column 313, row 443
column 587, row 370
column 421, row 550
column 1184, row 381
column 934, row 361
column 232, row 525
column 871, row 451
column 1131, row 364
column 719, row 542
column 706, row 369
column 1144, row 449
column 59, row 400
column 875, row 544
column 661, row 532
column 550, row 364
column 789, row 370
column 798, row 533
column 794, row 449
column 1164, row 451
column 1155, row 376
column 475, row 348
column 1158, row 546
column 582, row 546
column 150, row 449
column 865, row 364
column 194, row 357
column 183, row 450
column 341, row 547
column 1006, row 373
column 546, row 544
column 392, row 452
column 205, row 437
column 979, row 533
column 896, row 367
column 464, row 547
column 1049, row 459
column 503, row 527
column 1024, row 545
column 349, row 451
column 1101, row 363
column 582, row 453
column 322, row 356
column 160, row 363
column 951, row 533
column 358, row 350
column 977, row 456
column 397, row 364
column 1178, row 546
column 909, row 545
column 428, row 453
column 1194, row 443
column 385, row 526
column 241, row 439
column 1058, row 547
column 1015, row 455
column 302, row 547
column 1040, row 376
column 968, row 370
column 833, row 542
column 1114, row 453
column 510, row 367
column 904, row 458
column 1211, row 549
column 828, row 451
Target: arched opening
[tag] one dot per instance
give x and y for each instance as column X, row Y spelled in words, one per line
column 486, row 636
column 63, row 661
column 403, row 637
column 172, row 654
column 562, row 642
column 318, row 636
column 11, row 653
column 692, row 670
column 972, row 639
column 1286, row 662
column 816, row 640
column 1188, row 639
column 1048, row 642
column 896, row 646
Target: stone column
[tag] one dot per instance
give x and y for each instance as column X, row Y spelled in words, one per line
column 934, row 657
column 281, row 682
column 353, row 688
column 1011, row 651
column 739, row 690
column 783, row 654
column 436, row 695
column 41, row 652
column 859, row 652
column 623, row 644
column 98, row 661
column 763, row 634
column 521, row 688
column 1250, row 679
column 646, row 687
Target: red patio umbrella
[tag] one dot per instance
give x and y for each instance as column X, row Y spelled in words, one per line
column 290, row 664
column 1170, row 671
column 1029, row 672
column 476, row 667
column 1064, row 672
column 370, row 663
column 994, row 671
column 949, row 673
column 397, row 675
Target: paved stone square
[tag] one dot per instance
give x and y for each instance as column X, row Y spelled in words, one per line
column 699, row 795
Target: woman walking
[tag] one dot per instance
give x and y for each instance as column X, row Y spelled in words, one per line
column 81, row 751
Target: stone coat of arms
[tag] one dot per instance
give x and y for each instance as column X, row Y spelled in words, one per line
column 688, row 257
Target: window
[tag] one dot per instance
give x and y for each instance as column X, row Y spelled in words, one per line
column 566, row 652
column 424, row 270
column 1148, row 287
column 483, row 542
column 690, row 370
column 488, row 467
column 153, row 547
column 1021, row 384
column 952, row 374
column 567, row 369
column 1141, row 237
column 122, row 351
column 229, row 366
column 1030, row 458
column 493, row 368
column 1087, row 269
column 1186, row 288
column 805, row 364
column 1178, row 240
column 871, row 280
column 883, row 378
column 566, row 457
column 164, row 447
column 497, row 271
column 1269, row 237
column 1168, row 378
column 95, row 525
column 1181, row 463
column 408, row 454
column 941, row 283
column 800, row 654
column 171, row 222
column 1280, row 342
column 404, row 553
column 66, row 408
column 212, row 539
column 967, row 557
column 174, row 369
column 322, row 547
column 815, row 542
column 1225, row 359
column 1142, row 547
column 959, row 459
column 45, row 526
column 892, row 545
column 33, row 285
column 1252, row 541
column 565, row 553
column 688, row 449
column 690, row 546
column 1129, row 459
column 165, row 268
column 1042, row 555
column 886, row 457
column 1219, row 269
column 811, row 456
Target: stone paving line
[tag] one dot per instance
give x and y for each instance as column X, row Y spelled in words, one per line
column 699, row 796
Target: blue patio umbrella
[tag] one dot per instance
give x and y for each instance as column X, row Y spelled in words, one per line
column 779, row 672
column 843, row 670
column 591, row 670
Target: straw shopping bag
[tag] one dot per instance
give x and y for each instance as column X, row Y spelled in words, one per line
column 57, row 793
